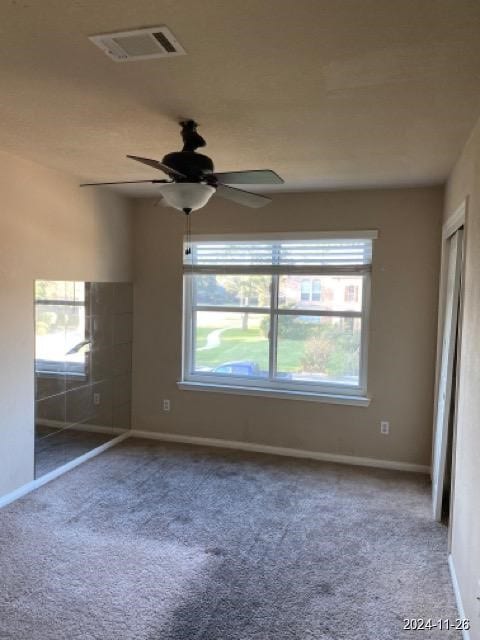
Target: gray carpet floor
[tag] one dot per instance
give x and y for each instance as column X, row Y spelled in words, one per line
column 163, row 542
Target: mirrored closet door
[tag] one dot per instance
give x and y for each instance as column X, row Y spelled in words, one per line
column 83, row 364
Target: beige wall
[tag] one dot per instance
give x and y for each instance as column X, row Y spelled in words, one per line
column 49, row 228
column 402, row 336
column 465, row 181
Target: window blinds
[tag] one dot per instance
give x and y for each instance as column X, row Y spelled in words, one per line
column 280, row 255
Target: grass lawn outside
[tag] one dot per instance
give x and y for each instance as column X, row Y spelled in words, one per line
column 247, row 344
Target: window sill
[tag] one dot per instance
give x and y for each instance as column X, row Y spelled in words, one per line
column 355, row 401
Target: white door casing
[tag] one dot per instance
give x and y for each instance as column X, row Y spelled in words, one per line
column 444, row 392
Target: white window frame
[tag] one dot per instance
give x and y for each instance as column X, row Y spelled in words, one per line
column 309, row 390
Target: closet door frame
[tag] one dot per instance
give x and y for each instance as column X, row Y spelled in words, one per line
column 456, row 222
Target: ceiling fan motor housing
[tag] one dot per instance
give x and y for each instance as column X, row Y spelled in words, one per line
column 194, row 166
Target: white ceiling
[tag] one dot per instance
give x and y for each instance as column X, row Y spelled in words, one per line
column 330, row 94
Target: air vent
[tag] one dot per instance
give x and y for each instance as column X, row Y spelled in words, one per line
column 141, row 44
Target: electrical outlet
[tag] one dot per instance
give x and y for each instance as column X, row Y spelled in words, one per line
column 384, row 428
column 96, row 399
column 166, row 405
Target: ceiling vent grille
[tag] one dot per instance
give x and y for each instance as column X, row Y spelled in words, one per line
column 140, row 44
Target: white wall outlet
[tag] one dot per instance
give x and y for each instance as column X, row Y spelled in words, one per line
column 96, row 399
column 166, row 405
column 384, row 427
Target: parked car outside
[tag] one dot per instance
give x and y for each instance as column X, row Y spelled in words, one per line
column 247, row 368
column 241, row 368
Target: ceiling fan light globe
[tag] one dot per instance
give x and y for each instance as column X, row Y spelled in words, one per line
column 186, row 195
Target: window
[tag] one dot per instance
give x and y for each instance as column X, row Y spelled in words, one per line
column 316, row 290
column 305, row 290
column 279, row 313
column 310, row 291
column 61, row 339
column 351, row 293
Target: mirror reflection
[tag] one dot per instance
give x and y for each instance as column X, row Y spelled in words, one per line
column 83, row 361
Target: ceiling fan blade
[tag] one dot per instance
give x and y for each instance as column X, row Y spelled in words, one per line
column 239, row 196
column 101, row 184
column 158, row 165
column 255, row 176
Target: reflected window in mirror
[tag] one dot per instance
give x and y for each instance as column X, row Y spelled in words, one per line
column 62, row 336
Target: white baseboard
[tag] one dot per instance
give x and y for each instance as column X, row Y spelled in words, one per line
column 35, row 484
column 281, row 451
column 458, row 595
column 85, row 426
column 54, row 424
column 214, row 442
column 95, row 428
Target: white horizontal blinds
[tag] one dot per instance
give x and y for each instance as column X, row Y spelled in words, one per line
column 326, row 252
column 232, row 253
column 309, row 255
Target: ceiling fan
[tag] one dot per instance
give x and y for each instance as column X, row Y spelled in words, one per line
column 193, row 180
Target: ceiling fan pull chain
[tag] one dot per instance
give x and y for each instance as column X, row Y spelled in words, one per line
column 188, row 234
